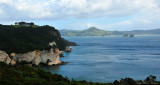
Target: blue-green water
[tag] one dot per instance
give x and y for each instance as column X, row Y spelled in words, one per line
column 105, row 59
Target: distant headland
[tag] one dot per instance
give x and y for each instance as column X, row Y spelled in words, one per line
column 93, row 31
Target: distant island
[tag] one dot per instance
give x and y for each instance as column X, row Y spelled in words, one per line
column 93, row 31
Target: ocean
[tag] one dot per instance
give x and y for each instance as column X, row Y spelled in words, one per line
column 105, row 59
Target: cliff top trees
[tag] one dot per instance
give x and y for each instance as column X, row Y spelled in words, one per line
column 21, row 39
column 24, row 23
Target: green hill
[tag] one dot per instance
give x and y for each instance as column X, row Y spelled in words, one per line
column 93, row 31
column 22, row 38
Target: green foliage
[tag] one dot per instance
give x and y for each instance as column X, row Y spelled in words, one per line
column 20, row 38
column 150, row 79
column 23, row 75
column 126, row 81
column 3, row 64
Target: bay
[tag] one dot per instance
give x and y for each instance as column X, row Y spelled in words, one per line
column 105, row 59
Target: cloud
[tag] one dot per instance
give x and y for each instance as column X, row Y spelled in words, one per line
column 146, row 22
column 24, row 9
column 123, row 25
column 145, row 13
column 62, row 9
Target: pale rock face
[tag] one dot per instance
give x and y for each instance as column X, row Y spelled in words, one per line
column 55, row 58
column 13, row 62
column 36, row 57
column 53, row 43
column 68, row 49
column 4, row 57
column 27, row 57
column 50, row 57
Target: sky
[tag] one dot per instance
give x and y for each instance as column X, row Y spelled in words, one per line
column 82, row 14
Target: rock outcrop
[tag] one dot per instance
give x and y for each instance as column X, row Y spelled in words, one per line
column 47, row 57
column 68, row 49
column 4, row 57
column 29, row 45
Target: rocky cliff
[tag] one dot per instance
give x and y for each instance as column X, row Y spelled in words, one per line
column 20, row 44
column 47, row 57
column 4, row 57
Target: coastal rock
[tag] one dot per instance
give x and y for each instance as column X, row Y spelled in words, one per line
column 68, row 49
column 13, row 62
column 61, row 53
column 47, row 57
column 4, row 57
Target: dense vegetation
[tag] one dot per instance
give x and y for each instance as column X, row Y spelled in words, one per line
column 24, row 75
column 21, row 38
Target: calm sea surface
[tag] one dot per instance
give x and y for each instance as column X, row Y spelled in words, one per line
column 105, row 59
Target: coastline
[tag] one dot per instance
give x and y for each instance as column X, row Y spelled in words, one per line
column 105, row 59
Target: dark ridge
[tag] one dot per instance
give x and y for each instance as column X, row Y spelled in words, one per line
column 22, row 38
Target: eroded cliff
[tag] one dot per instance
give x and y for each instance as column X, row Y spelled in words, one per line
column 31, row 44
column 4, row 57
column 47, row 57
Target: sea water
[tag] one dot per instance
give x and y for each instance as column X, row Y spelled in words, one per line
column 105, row 59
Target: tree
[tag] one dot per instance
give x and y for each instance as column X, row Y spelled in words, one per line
column 115, row 82
column 150, row 79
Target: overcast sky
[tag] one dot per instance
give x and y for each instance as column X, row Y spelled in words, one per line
column 82, row 14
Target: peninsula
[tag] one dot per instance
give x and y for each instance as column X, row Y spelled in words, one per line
column 27, row 43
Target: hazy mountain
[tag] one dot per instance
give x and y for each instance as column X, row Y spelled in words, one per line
column 93, row 31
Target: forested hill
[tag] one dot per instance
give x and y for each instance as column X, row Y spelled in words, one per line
column 21, row 38
column 93, row 31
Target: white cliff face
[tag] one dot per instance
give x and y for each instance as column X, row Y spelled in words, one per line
column 68, row 49
column 52, row 44
column 50, row 57
column 5, row 58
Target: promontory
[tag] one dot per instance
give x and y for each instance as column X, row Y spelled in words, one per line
column 26, row 43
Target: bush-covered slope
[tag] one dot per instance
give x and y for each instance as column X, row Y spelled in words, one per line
column 20, row 38
column 23, row 75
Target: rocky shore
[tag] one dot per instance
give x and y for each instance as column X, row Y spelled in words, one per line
column 37, row 57
column 44, row 57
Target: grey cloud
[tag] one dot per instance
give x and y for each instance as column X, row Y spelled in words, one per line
column 64, row 9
